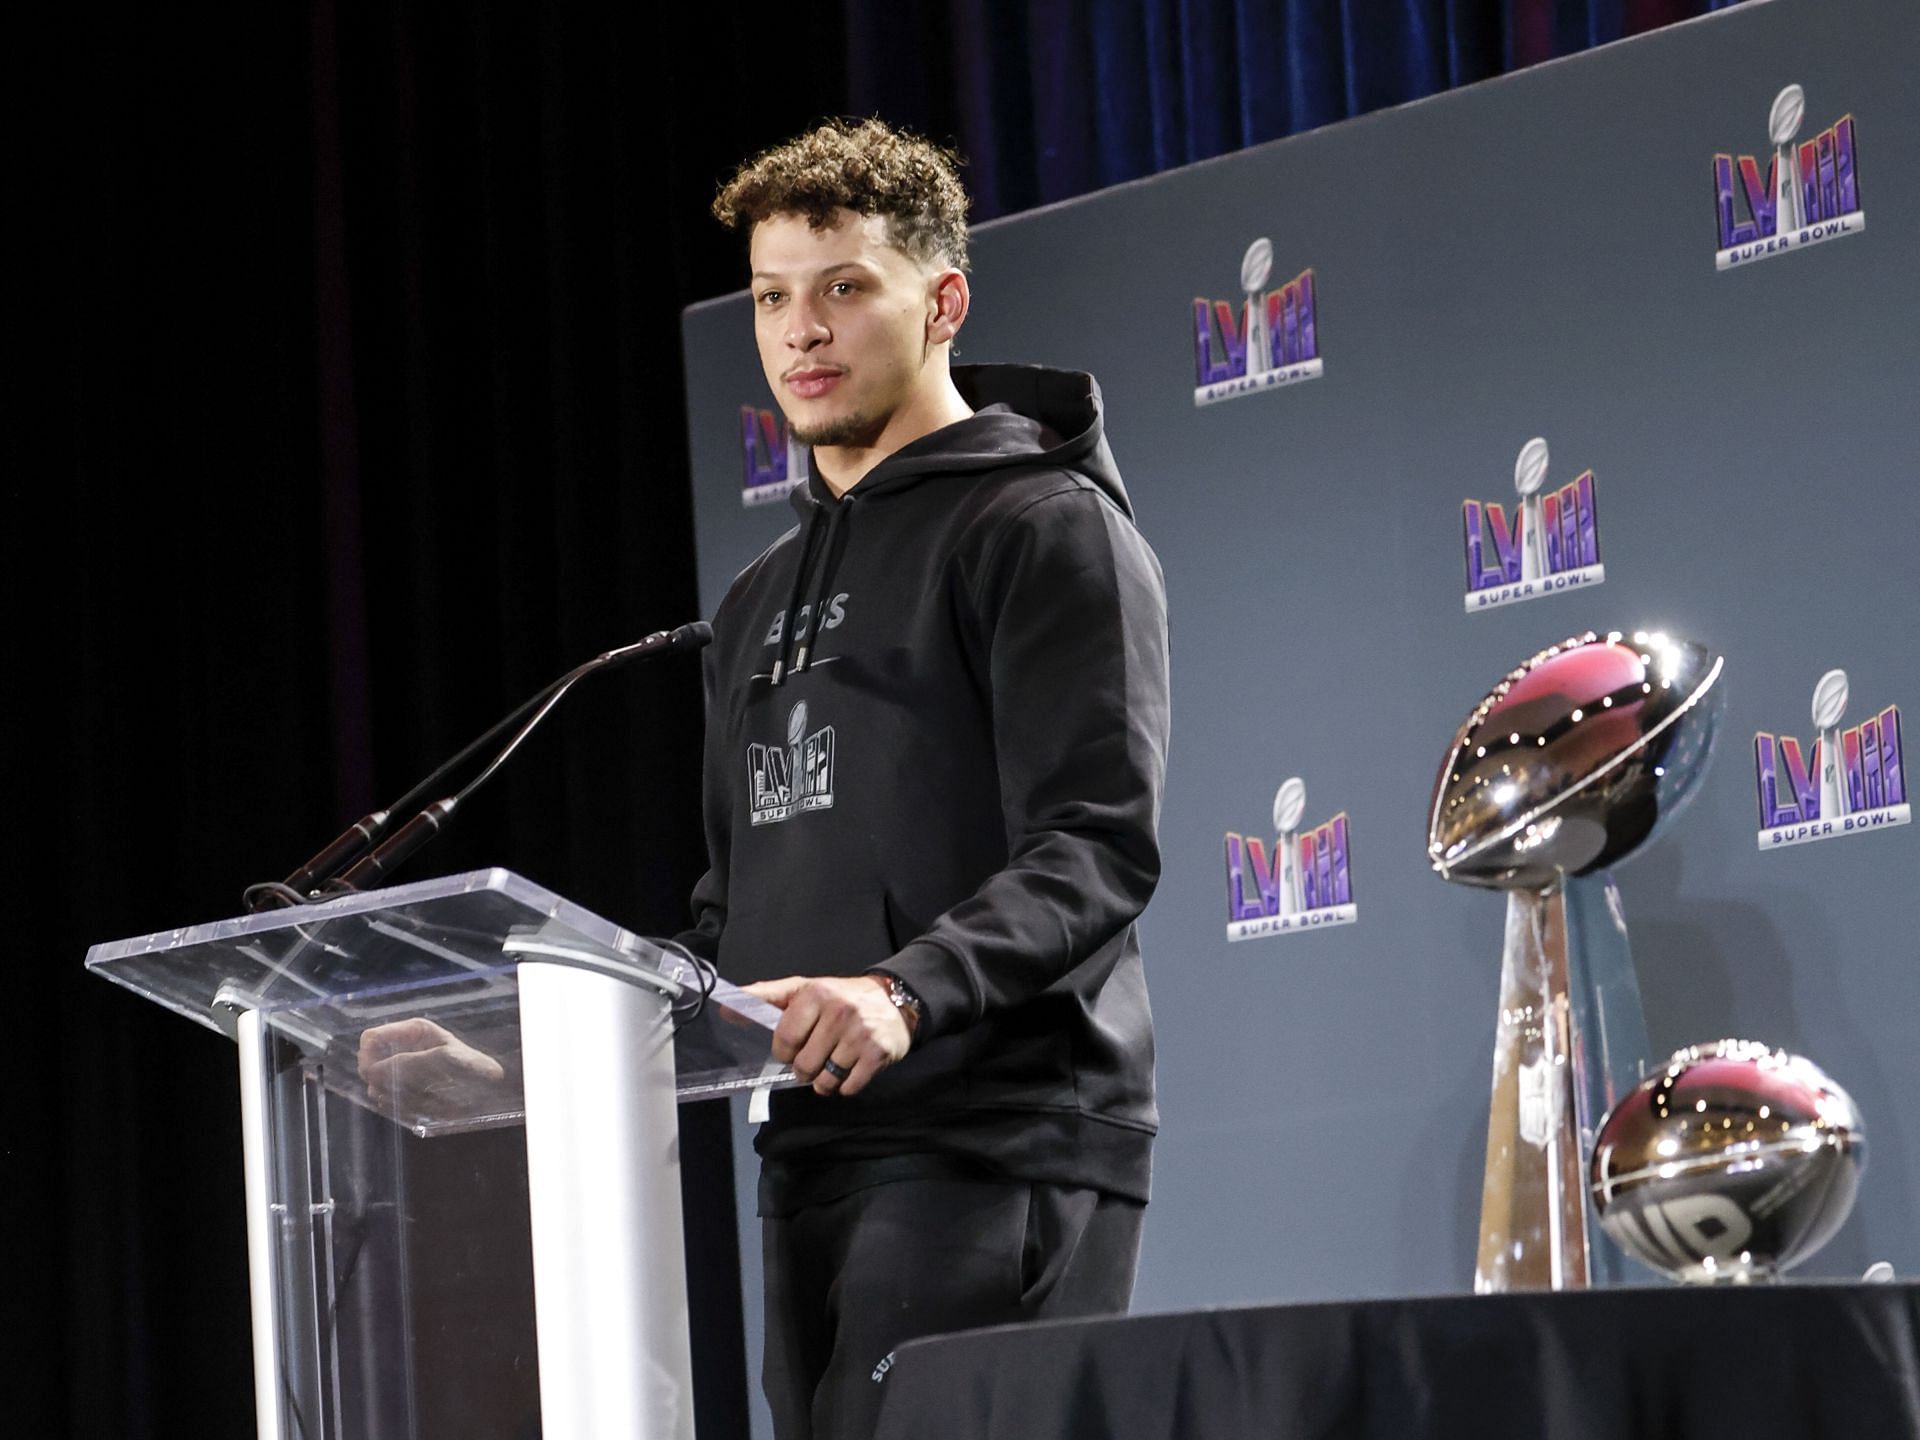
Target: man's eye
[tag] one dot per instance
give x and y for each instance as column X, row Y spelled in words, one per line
column 843, row 287
column 767, row 297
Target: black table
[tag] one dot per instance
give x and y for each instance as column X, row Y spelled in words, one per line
column 1809, row 1361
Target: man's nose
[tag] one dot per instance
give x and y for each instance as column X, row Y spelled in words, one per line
column 806, row 327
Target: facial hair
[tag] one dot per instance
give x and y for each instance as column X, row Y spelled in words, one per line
column 856, row 431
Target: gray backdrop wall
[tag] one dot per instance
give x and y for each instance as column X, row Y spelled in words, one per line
column 1531, row 256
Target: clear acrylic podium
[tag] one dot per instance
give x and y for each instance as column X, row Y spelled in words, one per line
column 462, row 1171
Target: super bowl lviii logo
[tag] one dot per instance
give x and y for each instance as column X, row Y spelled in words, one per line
column 773, row 460
column 1268, row 339
column 1553, row 543
column 792, row 779
column 1854, row 780
column 1811, row 192
column 1305, row 885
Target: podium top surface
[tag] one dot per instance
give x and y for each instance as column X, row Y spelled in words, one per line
column 430, row 934
column 446, row 950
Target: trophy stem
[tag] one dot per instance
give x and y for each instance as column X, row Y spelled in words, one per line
column 1570, row 1039
column 1259, row 345
column 1787, row 214
column 1533, row 540
column 1292, row 892
column 1610, row 1048
column 1833, row 803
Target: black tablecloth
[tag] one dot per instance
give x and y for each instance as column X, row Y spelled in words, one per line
column 1806, row 1361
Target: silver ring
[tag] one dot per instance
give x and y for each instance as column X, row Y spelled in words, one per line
column 839, row 1072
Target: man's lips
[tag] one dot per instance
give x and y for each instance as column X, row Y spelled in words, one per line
column 811, row 384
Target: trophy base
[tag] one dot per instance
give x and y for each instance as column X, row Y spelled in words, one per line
column 1730, row 1275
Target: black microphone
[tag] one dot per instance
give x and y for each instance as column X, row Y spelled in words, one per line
column 343, row 847
column 389, row 854
column 385, row 854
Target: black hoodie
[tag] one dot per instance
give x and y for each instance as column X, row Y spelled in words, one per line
column 954, row 777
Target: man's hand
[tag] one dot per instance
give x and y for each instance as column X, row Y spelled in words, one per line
column 418, row 1067
column 849, row 1020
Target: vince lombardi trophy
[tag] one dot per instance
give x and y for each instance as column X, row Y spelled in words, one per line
column 1289, row 802
column 1829, row 704
column 1255, row 267
column 1783, row 123
column 1529, row 475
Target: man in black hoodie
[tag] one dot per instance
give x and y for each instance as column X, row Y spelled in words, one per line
column 936, row 738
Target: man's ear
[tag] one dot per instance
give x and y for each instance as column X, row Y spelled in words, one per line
column 950, row 299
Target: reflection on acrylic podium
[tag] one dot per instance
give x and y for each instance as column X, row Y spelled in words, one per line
column 462, row 1170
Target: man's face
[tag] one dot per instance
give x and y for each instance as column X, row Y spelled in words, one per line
column 842, row 318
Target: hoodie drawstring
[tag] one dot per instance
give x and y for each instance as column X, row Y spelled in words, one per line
column 794, row 654
column 829, row 562
column 785, row 652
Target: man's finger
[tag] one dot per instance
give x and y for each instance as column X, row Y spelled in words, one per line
column 796, row 1026
column 776, row 992
column 811, row 1057
column 838, row 1065
column 398, row 1035
column 863, row 1070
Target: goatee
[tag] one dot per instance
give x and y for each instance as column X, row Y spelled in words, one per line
column 856, row 431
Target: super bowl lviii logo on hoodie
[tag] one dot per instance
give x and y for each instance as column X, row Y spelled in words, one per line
column 1854, row 780
column 773, row 460
column 1552, row 544
column 790, row 779
column 1267, row 339
column 1306, row 885
column 1811, row 192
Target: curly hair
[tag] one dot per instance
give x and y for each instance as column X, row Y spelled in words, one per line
column 865, row 166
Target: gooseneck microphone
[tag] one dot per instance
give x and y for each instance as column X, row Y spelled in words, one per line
column 379, row 854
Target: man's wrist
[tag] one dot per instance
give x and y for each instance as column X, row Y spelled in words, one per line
column 912, row 1011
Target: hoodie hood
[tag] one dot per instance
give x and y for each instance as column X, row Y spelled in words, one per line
column 1024, row 415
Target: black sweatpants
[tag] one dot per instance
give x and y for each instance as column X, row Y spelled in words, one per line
column 848, row 1280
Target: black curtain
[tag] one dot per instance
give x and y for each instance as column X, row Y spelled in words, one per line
column 349, row 412
column 356, row 369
